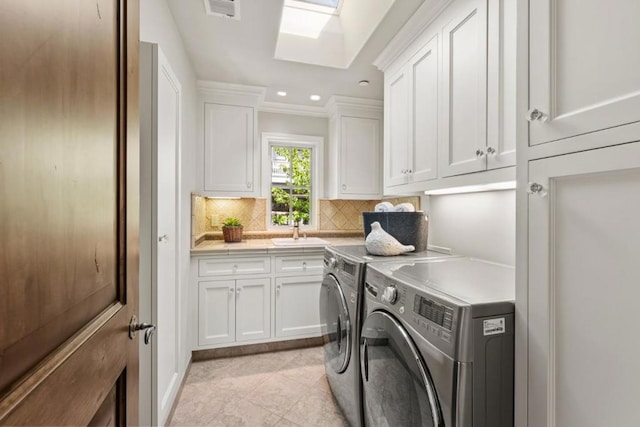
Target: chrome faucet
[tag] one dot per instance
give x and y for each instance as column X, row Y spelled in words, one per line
column 296, row 231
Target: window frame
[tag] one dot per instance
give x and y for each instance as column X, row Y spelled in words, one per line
column 316, row 144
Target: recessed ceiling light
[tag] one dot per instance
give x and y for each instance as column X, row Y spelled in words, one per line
column 363, row 83
column 282, row 93
column 315, row 97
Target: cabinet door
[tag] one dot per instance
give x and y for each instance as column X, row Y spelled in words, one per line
column 216, row 312
column 423, row 117
column 584, row 241
column 229, row 150
column 396, row 112
column 360, row 157
column 501, row 84
column 584, row 67
column 298, row 306
column 463, row 129
column 253, row 309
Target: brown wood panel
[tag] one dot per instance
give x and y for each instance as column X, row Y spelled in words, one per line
column 69, row 215
column 58, row 183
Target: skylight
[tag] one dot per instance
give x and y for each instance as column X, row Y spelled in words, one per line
column 323, row 6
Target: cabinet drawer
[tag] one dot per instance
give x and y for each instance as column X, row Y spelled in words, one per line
column 299, row 264
column 234, row 266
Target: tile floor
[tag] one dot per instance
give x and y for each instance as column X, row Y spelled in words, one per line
column 285, row 388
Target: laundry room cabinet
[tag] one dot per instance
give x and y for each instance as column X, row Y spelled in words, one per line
column 231, row 152
column 583, row 69
column 248, row 299
column 584, row 241
column 234, row 310
column 450, row 100
column 355, row 148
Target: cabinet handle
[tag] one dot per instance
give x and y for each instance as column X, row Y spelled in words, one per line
column 409, row 171
column 230, row 290
column 537, row 189
column 304, row 265
column 344, row 186
column 278, row 288
column 491, row 151
column 248, row 184
column 480, row 153
column 535, row 115
column 163, row 239
column 238, row 290
column 235, row 267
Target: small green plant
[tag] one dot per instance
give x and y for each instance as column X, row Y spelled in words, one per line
column 232, row 222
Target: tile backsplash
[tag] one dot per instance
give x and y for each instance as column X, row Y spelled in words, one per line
column 334, row 215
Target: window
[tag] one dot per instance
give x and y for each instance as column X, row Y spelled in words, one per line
column 290, row 185
column 291, row 169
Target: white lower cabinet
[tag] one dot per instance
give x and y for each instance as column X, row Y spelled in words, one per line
column 242, row 305
column 297, row 306
column 234, row 310
column 583, row 293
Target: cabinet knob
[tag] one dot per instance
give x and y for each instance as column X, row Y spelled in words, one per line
column 537, row 189
column 238, row 290
column 230, row 290
column 163, row 239
column 409, row 171
column 535, row 115
column 491, row 151
column 480, row 153
column 344, row 186
column 278, row 288
column 304, row 265
column 248, row 184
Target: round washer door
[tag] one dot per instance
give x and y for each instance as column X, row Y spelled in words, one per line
column 396, row 384
column 336, row 325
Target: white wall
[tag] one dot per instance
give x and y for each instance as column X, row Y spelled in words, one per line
column 481, row 225
column 157, row 26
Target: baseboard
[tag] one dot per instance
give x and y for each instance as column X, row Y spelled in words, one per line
column 244, row 350
column 179, row 393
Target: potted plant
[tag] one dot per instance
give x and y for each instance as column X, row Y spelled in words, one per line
column 232, row 230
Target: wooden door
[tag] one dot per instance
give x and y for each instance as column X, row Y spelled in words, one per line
column 583, row 69
column 584, row 241
column 253, row 309
column 463, row 127
column 216, row 312
column 360, row 157
column 230, row 151
column 423, row 117
column 69, row 212
column 396, row 112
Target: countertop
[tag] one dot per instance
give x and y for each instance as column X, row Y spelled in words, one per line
column 264, row 246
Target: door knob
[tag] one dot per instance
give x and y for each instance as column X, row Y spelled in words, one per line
column 535, row 115
column 134, row 327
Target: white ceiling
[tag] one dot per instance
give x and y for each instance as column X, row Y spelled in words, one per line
column 241, row 52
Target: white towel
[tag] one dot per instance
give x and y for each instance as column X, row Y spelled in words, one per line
column 405, row 207
column 384, row 207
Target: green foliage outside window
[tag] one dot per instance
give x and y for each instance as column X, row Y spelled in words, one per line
column 290, row 201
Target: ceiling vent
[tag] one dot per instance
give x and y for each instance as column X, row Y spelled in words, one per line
column 224, row 8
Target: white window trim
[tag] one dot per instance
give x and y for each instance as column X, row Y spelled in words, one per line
column 316, row 143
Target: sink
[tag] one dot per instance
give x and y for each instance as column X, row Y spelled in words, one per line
column 309, row 241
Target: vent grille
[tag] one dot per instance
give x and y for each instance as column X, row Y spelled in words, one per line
column 225, row 8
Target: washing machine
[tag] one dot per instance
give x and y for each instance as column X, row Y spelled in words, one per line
column 437, row 343
column 340, row 313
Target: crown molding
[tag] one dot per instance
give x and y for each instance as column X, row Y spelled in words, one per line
column 231, row 93
column 292, row 109
column 350, row 105
column 410, row 32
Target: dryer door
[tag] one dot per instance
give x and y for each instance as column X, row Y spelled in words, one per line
column 397, row 387
column 336, row 325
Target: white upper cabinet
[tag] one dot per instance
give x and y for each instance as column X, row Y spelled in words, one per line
column 360, row 157
column 423, row 114
column 355, row 148
column 411, row 147
column 584, row 71
column 450, row 98
column 230, row 151
column 463, row 136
